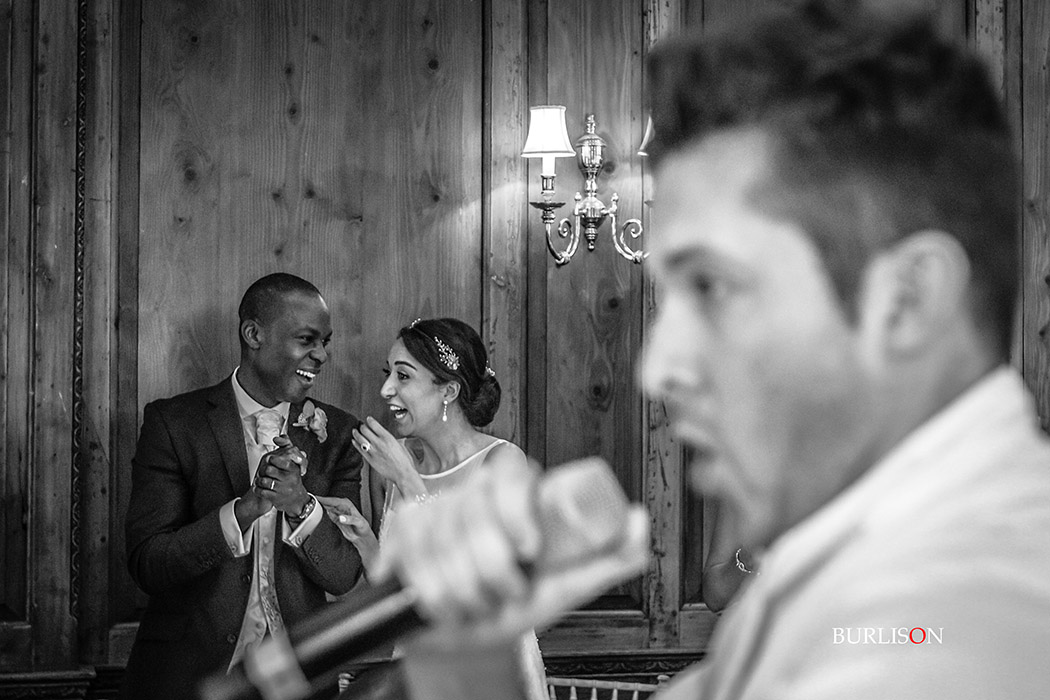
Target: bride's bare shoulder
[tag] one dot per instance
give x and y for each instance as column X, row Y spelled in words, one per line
column 506, row 454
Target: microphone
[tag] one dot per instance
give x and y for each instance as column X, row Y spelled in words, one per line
column 581, row 512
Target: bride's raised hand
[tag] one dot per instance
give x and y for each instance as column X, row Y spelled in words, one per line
column 388, row 456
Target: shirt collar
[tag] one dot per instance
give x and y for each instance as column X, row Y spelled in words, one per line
column 247, row 406
column 924, row 463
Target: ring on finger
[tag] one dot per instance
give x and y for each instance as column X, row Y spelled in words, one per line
column 366, row 446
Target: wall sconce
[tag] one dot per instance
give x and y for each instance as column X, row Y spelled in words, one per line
column 548, row 139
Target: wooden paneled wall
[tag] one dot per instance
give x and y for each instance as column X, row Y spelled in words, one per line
column 159, row 155
column 338, row 141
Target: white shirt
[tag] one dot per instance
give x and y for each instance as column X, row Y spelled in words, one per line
column 945, row 542
column 240, row 542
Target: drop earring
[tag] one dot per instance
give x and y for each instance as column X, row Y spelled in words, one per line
column 444, row 411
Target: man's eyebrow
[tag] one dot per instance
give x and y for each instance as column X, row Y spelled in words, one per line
column 312, row 330
column 687, row 257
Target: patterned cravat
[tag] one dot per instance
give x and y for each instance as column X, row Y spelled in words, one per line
column 263, row 612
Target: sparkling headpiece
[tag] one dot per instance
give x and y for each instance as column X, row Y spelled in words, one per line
column 448, row 356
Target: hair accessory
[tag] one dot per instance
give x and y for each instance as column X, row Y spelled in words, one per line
column 413, row 324
column 448, row 356
column 489, row 372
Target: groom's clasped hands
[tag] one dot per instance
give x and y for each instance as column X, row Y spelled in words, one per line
column 279, row 480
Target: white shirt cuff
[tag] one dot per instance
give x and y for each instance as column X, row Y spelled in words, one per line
column 296, row 537
column 239, row 543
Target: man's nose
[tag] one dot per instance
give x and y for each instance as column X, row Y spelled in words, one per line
column 319, row 353
column 671, row 358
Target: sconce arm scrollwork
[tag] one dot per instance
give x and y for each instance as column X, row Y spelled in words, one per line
column 589, row 212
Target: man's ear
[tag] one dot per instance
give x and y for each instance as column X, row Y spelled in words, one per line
column 928, row 275
column 250, row 332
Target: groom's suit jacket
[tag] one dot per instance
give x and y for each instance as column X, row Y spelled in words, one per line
column 191, row 460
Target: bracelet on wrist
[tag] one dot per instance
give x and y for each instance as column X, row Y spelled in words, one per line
column 304, row 513
column 740, row 564
column 424, row 497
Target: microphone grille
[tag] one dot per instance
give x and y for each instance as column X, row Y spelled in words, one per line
column 582, row 512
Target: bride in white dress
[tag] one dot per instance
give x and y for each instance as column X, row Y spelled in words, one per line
column 440, row 390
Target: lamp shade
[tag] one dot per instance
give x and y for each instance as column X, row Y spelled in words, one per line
column 547, row 134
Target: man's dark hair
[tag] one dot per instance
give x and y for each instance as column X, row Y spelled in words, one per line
column 261, row 301
column 878, row 128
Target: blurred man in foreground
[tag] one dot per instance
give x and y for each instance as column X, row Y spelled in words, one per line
column 836, row 237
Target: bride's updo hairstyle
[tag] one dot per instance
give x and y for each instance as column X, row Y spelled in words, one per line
column 453, row 351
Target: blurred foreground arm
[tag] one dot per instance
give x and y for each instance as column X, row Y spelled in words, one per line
column 509, row 551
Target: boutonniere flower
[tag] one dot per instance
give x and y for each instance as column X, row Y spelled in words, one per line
column 313, row 419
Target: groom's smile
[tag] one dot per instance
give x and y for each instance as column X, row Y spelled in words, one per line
column 289, row 350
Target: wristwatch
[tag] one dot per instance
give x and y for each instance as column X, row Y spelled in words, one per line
column 307, row 509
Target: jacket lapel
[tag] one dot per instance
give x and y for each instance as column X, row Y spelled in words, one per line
column 225, row 422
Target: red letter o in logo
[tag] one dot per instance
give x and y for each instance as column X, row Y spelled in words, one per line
column 912, row 631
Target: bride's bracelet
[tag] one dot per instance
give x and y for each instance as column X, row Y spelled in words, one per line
column 740, row 564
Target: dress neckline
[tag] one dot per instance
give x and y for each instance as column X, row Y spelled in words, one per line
column 464, row 462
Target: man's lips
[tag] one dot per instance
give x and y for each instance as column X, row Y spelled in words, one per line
column 306, row 374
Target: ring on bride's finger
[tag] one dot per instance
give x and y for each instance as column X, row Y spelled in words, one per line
column 366, row 446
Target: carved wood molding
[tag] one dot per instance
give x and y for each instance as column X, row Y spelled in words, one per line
column 54, row 684
column 640, row 666
column 78, row 310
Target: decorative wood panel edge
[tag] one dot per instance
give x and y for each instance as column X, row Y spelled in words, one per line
column 79, row 242
column 643, row 666
column 53, row 684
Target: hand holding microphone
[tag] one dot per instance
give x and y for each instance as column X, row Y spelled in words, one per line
column 515, row 551
column 506, row 552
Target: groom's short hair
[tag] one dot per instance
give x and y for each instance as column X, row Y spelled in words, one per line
column 261, row 301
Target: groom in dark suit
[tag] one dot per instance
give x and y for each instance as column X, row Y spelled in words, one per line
column 223, row 530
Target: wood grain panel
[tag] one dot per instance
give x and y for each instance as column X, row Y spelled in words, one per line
column 538, row 258
column 54, row 631
column 124, row 596
column 418, row 163
column 593, row 310
column 987, row 35
column 15, row 311
column 339, row 141
column 1036, row 173
column 99, row 332
column 507, row 224
column 592, row 631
